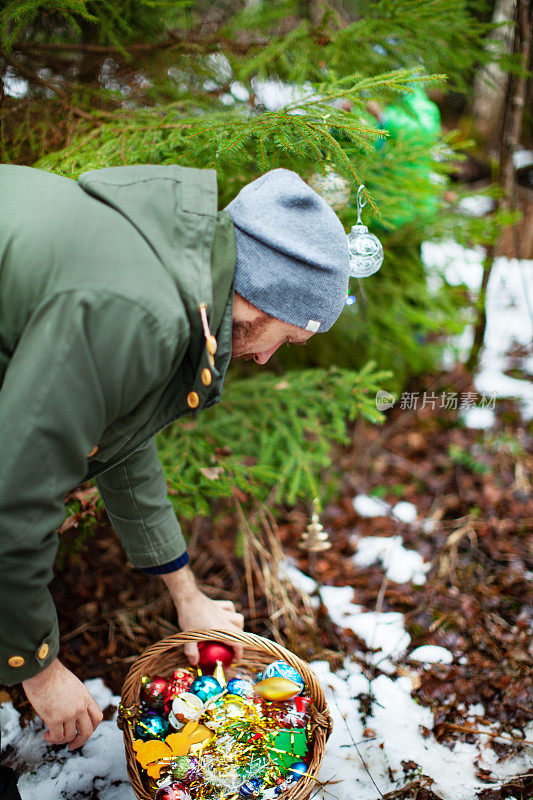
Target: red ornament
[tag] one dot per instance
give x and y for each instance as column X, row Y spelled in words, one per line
column 174, row 791
column 179, row 683
column 289, row 713
column 211, row 652
column 153, row 691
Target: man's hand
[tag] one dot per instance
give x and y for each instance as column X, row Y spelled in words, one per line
column 64, row 704
column 196, row 610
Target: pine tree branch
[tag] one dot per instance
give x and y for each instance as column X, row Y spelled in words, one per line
column 186, row 43
column 30, row 76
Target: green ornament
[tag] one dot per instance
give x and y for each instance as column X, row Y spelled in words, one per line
column 287, row 746
column 180, row 767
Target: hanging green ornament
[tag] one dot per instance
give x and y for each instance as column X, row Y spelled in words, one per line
column 366, row 251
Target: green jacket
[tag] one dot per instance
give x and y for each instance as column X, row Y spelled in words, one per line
column 101, row 346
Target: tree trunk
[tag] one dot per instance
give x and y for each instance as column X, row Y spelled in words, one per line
column 510, row 136
column 491, row 80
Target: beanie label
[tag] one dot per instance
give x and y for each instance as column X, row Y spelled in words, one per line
column 312, row 325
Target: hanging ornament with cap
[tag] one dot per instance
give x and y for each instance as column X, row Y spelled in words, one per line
column 331, row 186
column 366, row 251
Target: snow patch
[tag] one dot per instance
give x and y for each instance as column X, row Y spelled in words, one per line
column 431, row 654
column 405, row 512
column 508, row 306
column 383, row 632
column 397, row 730
column 400, row 565
column 478, row 418
column 477, row 205
column 288, row 571
column 50, row 773
column 367, row 506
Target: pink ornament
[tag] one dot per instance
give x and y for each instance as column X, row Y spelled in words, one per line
column 211, row 652
column 173, row 791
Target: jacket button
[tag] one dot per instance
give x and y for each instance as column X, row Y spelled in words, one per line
column 206, row 377
column 212, row 345
column 92, row 452
column 16, row 661
column 193, row 400
column 43, row 651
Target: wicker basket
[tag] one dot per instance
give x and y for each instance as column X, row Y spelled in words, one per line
column 165, row 656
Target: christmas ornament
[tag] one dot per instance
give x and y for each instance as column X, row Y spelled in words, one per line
column 173, row 791
column 288, row 746
column 315, row 539
column 277, row 688
column 178, row 684
column 185, row 707
column 297, row 770
column 218, row 673
column 211, row 652
column 151, row 726
column 283, row 670
column 185, row 769
column 234, row 705
column 241, row 686
column 331, row 186
column 366, row 251
column 205, row 687
column 153, row 692
column 154, row 755
column 223, row 708
column 291, row 714
column 251, row 788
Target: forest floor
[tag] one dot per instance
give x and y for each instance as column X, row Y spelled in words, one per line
column 429, row 534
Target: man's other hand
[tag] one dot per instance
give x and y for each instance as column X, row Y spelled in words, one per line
column 197, row 611
column 64, row 705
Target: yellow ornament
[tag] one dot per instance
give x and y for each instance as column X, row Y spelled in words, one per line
column 219, row 673
column 154, row 754
column 277, row 688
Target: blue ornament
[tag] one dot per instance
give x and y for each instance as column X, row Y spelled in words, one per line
column 151, row 726
column 280, row 669
column 205, row 687
column 297, row 770
column 350, row 300
column 240, row 686
column 251, row 788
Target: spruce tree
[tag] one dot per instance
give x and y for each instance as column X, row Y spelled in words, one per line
column 113, row 82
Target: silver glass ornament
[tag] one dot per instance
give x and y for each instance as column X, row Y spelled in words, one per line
column 331, row 186
column 366, row 251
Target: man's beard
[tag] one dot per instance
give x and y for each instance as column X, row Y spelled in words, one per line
column 244, row 335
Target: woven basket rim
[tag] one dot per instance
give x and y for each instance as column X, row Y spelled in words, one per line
column 256, row 648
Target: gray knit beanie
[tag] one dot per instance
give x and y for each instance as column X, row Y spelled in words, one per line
column 292, row 252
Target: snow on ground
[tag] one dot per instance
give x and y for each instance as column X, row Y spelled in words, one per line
column 431, row 654
column 400, row 565
column 509, row 306
column 395, row 731
column 363, row 757
column 54, row 773
column 367, row 506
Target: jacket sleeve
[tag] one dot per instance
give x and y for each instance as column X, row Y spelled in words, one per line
column 135, row 496
column 84, row 359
